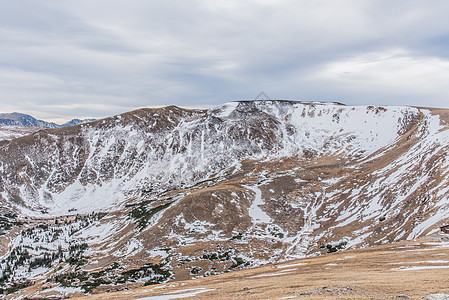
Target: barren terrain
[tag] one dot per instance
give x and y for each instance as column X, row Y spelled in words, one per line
column 403, row 270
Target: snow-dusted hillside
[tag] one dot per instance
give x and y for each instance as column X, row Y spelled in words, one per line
column 188, row 193
column 12, row 132
column 116, row 158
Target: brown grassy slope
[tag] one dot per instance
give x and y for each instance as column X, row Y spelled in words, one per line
column 371, row 273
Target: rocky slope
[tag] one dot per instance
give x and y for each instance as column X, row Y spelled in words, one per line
column 170, row 194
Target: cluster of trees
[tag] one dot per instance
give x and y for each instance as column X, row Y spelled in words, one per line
column 23, row 259
column 143, row 212
column 16, row 286
column 151, row 273
column 7, row 221
column 28, row 256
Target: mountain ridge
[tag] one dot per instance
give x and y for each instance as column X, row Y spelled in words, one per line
column 20, row 119
column 173, row 194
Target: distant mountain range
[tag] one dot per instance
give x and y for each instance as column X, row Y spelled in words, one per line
column 18, row 119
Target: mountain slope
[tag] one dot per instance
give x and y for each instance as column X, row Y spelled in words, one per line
column 176, row 146
column 405, row 270
column 188, row 193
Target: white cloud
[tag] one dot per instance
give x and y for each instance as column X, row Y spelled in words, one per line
column 400, row 73
column 127, row 54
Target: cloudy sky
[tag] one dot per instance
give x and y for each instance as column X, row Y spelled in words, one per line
column 91, row 58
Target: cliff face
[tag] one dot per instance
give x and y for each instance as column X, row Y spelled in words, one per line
column 198, row 192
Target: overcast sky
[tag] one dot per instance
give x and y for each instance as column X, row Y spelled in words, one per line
column 92, row 58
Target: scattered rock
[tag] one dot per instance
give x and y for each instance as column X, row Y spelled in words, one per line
column 305, row 293
column 334, row 291
column 436, row 297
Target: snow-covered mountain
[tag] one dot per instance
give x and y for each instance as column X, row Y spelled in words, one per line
column 76, row 122
column 169, row 193
column 14, row 125
column 19, row 119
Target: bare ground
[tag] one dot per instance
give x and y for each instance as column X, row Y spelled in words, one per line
column 405, row 270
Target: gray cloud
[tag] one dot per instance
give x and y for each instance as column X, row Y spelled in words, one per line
column 61, row 59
